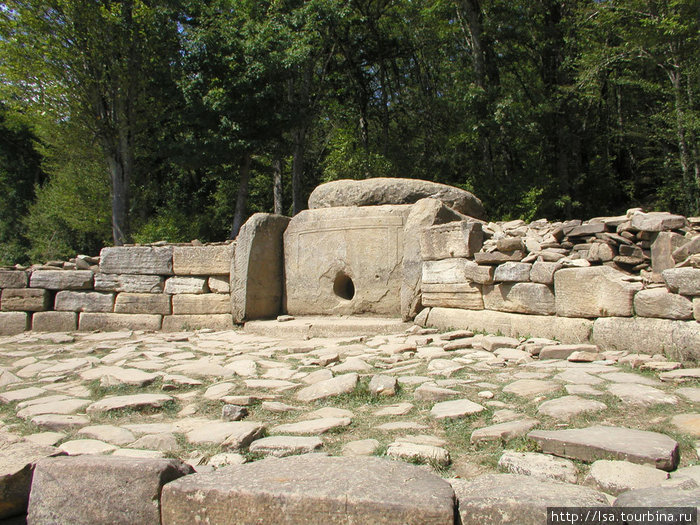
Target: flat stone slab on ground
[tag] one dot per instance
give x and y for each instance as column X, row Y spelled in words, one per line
column 311, row 489
column 135, row 402
column 531, row 387
column 602, row 442
column 343, row 384
column 78, row 447
column 313, row 426
column 687, row 423
column 65, row 406
column 119, row 490
column 503, row 431
column 229, row 434
column 455, row 409
column 616, row 477
column 281, row 446
column 681, row 375
column 541, row 466
column 659, row 497
column 641, row 394
column 518, row 500
column 59, row 421
column 429, row 454
column 569, row 406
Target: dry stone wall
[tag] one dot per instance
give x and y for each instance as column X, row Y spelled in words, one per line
column 615, row 278
column 168, row 287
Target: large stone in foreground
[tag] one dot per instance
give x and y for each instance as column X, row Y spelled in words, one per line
column 595, row 291
column 311, row 489
column 257, row 268
column 94, row 490
column 17, row 461
column 600, row 442
column 343, row 261
column 660, row 497
column 518, row 500
column 381, row 190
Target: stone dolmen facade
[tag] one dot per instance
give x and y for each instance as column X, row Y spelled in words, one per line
column 547, row 365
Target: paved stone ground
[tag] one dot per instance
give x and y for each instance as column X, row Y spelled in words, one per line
column 453, row 401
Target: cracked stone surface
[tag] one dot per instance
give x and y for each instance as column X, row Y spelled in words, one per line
column 452, row 402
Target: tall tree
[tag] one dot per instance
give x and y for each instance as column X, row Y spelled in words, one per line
column 103, row 64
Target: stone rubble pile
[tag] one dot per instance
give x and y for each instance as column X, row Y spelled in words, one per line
column 150, row 287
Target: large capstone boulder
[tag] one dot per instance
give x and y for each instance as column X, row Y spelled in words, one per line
column 373, row 192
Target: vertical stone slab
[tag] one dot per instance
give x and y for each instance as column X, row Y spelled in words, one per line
column 426, row 212
column 257, row 269
column 95, row 490
column 344, row 261
column 662, row 250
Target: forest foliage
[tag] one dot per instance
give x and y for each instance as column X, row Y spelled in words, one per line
column 145, row 120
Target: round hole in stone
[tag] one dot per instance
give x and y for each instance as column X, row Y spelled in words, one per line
column 343, row 286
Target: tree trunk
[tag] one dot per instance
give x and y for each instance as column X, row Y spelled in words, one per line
column 120, row 172
column 689, row 179
column 242, row 197
column 298, row 169
column 277, row 182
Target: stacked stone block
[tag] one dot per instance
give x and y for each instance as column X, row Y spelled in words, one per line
column 169, row 287
column 614, row 271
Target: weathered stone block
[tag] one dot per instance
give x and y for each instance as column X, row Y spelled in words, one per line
column 596, row 291
column 257, row 269
column 62, row 279
column 55, row 321
column 208, row 303
column 13, row 279
column 380, row 190
column 603, row 442
column 424, row 213
column 140, row 260
column 454, row 239
column 143, row 303
column 543, row 272
column 662, row 250
column 219, row 284
column 179, row 323
column 524, row 298
column 12, row 323
column 92, row 490
column 453, row 271
column 17, row 459
column 314, row 489
column 498, row 257
column 567, row 330
column 659, row 302
column 25, row 300
column 688, row 248
column 657, row 221
column 461, row 295
column 685, row 281
column 202, row 260
column 107, row 282
column 68, row 301
column 500, row 499
column 111, row 322
column 696, row 308
column 512, row 272
column 345, row 261
column 679, row 340
column 192, row 285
